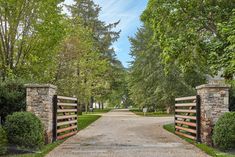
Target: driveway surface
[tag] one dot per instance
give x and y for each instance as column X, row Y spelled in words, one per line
column 121, row 133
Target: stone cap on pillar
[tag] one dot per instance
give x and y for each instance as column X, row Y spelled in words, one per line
column 40, row 86
column 213, row 86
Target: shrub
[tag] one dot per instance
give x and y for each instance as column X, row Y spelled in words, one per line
column 25, row 130
column 224, row 131
column 3, row 141
column 12, row 97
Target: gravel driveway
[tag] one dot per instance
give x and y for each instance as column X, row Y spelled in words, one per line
column 121, row 133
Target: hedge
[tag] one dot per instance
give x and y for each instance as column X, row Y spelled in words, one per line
column 3, row 141
column 24, row 130
column 12, row 97
column 224, row 131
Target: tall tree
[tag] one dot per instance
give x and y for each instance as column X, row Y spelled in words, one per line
column 91, row 57
column 150, row 85
column 29, row 33
column 188, row 32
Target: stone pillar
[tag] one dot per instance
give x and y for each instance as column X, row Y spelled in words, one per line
column 214, row 103
column 39, row 101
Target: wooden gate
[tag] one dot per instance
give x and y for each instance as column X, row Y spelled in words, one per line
column 65, row 117
column 187, row 117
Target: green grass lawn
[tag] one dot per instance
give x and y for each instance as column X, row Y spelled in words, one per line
column 209, row 150
column 86, row 119
column 83, row 121
column 151, row 114
column 98, row 111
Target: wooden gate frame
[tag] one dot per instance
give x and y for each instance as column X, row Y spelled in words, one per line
column 187, row 117
column 73, row 119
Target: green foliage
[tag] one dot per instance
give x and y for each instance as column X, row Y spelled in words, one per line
column 207, row 149
column 3, row 141
column 224, row 131
column 87, row 66
column 179, row 44
column 44, row 45
column 193, row 34
column 169, row 127
column 150, row 114
column 25, row 130
column 12, row 97
column 83, row 122
column 149, row 84
column 28, row 44
column 101, row 110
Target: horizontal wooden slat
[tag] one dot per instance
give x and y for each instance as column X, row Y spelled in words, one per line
column 186, row 98
column 66, row 110
column 185, row 105
column 67, row 122
column 66, row 135
column 185, row 135
column 66, row 117
column 186, row 129
column 67, row 129
column 66, row 98
column 67, row 104
column 186, row 117
column 185, row 111
column 186, row 123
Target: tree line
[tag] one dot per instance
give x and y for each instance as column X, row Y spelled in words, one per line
column 40, row 43
column 180, row 45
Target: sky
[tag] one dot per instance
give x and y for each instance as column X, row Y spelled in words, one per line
column 128, row 12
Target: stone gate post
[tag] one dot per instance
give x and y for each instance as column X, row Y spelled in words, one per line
column 39, row 100
column 214, row 100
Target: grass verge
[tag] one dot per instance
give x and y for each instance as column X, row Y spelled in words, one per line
column 83, row 122
column 86, row 119
column 45, row 150
column 207, row 149
column 151, row 114
column 98, row 111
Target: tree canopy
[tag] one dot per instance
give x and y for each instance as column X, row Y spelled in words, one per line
column 39, row 43
column 180, row 44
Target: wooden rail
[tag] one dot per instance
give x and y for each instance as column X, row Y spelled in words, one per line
column 185, row 104
column 186, row 111
column 66, row 110
column 185, row 135
column 186, row 98
column 64, row 117
column 187, row 117
column 66, row 129
column 67, row 98
column 185, row 123
column 67, row 104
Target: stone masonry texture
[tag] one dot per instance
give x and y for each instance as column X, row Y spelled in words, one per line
column 214, row 103
column 39, row 100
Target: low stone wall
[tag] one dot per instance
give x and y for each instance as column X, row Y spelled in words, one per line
column 39, row 100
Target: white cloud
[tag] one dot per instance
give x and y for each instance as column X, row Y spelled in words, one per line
column 116, row 48
column 114, row 10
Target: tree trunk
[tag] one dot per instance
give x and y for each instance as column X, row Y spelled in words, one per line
column 79, row 109
column 87, row 105
column 92, row 102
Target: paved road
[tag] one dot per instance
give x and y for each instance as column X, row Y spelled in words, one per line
column 120, row 133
